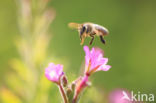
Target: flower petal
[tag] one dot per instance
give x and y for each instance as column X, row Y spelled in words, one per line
column 54, row 72
column 104, row 68
column 86, row 49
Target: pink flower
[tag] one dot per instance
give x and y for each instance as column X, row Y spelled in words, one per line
column 54, row 72
column 119, row 96
column 94, row 61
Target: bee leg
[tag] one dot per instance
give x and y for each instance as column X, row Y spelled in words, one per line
column 82, row 39
column 91, row 40
column 102, row 39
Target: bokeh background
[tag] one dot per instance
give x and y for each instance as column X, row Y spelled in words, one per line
column 130, row 47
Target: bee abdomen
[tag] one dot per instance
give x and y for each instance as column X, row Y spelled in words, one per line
column 102, row 31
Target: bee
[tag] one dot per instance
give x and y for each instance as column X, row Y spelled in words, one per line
column 89, row 30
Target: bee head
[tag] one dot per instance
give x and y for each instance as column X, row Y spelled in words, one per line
column 82, row 31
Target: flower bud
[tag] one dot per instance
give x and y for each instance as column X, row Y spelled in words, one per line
column 73, row 86
column 64, row 81
column 69, row 91
column 70, row 94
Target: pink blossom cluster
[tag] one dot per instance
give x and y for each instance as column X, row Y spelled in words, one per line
column 94, row 61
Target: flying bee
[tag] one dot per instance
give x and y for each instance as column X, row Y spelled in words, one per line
column 89, row 30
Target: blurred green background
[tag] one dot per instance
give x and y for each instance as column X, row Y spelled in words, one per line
column 130, row 47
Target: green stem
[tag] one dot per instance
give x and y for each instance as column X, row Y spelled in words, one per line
column 63, row 93
column 75, row 99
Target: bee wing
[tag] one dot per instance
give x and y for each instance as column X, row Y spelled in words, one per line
column 74, row 25
column 100, row 30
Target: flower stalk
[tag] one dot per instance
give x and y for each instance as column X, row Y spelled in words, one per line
column 63, row 93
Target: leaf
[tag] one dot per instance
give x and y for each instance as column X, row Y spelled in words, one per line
column 21, row 69
column 8, row 97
